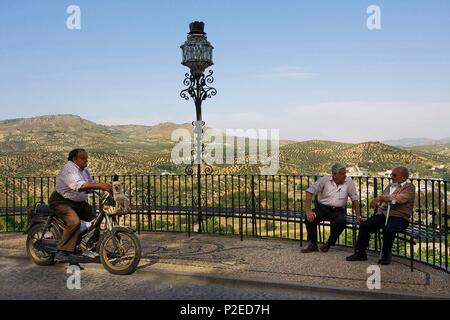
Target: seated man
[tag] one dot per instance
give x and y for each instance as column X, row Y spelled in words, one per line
column 70, row 202
column 333, row 192
column 399, row 195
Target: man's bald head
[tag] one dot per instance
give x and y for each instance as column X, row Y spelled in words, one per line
column 79, row 156
column 403, row 171
column 400, row 174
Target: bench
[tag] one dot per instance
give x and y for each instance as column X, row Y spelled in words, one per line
column 414, row 231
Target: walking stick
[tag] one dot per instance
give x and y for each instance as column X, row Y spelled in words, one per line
column 387, row 214
column 385, row 224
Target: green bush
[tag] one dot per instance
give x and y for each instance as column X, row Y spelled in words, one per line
column 13, row 224
column 212, row 225
column 270, row 226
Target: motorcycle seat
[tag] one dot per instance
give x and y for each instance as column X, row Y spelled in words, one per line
column 44, row 210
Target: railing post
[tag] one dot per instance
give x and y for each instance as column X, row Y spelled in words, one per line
column 149, row 217
column 6, row 205
column 301, row 210
column 240, row 209
column 139, row 211
column 21, row 204
column 14, row 204
column 433, row 218
column 253, row 205
column 375, row 194
column 192, row 203
column 439, row 228
column 321, row 223
column 446, row 225
column 287, row 205
column 199, row 197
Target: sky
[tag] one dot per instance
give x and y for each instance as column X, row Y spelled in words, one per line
column 311, row 69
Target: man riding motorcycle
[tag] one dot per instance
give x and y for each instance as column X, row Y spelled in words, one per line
column 69, row 201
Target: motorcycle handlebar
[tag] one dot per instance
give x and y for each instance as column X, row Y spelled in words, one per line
column 92, row 191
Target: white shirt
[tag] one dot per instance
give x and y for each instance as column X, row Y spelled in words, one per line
column 331, row 194
column 70, row 179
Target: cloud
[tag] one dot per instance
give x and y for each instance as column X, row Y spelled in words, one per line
column 353, row 121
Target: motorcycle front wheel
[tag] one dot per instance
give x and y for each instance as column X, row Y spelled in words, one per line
column 123, row 256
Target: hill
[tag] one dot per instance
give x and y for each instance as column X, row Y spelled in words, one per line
column 437, row 149
column 369, row 158
column 39, row 146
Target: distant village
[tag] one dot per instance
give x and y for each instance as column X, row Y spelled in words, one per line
column 356, row 171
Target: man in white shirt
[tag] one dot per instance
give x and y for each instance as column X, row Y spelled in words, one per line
column 69, row 200
column 333, row 192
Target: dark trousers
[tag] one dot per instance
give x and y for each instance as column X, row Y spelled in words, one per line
column 324, row 213
column 70, row 212
column 371, row 225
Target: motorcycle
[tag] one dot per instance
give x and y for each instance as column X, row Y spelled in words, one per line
column 117, row 246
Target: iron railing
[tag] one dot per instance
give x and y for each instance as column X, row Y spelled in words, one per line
column 243, row 205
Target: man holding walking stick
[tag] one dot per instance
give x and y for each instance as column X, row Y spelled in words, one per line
column 393, row 215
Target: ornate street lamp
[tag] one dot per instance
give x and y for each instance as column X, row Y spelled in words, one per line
column 197, row 56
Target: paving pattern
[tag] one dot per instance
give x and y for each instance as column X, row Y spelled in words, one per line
column 175, row 266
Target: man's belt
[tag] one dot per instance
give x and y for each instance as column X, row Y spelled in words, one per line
column 331, row 207
column 67, row 199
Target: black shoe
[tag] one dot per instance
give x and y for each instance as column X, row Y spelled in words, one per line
column 62, row 256
column 312, row 247
column 325, row 247
column 358, row 256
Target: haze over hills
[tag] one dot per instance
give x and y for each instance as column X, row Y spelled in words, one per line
column 423, row 145
column 414, row 142
column 39, row 146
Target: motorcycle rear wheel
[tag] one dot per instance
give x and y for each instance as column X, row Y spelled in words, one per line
column 41, row 257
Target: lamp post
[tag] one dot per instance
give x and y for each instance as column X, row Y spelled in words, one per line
column 197, row 56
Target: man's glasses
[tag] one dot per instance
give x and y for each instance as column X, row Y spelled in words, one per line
column 393, row 175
